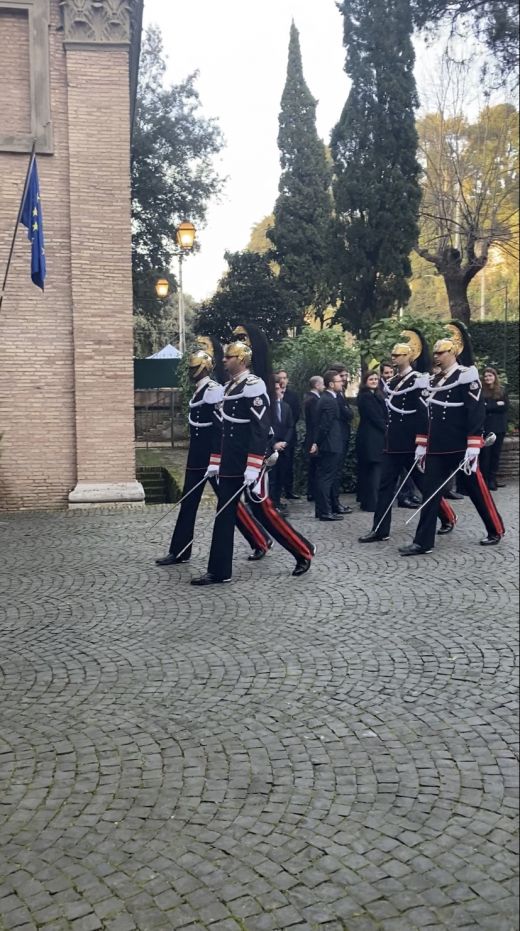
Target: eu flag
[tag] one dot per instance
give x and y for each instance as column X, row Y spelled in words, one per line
column 32, row 218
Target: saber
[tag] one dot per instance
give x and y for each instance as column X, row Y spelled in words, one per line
column 488, row 441
column 389, row 508
column 223, row 508
column 178, row 503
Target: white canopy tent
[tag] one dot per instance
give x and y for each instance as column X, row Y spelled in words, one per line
column 167, row 352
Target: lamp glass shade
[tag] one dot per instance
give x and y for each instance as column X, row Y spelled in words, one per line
column 162, row 287
column 186, row 235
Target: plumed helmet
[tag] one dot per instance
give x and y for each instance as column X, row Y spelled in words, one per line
column 200, row 363
column 240, row 350
column 254, row 337
column 460, row 340
column 213, row 347
column 420, row 356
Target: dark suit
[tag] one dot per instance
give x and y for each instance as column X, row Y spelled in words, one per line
column 310, row 409
column 345, row 417
column 370, row 444
column 283, row 431
column 495, row 422
column 291, row 398
column 329, row 439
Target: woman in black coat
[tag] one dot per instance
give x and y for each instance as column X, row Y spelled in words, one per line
column 370, row 440
column 497, row 403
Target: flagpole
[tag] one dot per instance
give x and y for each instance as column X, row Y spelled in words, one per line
column 17, row 224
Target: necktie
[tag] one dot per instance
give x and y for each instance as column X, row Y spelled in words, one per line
column 279, row 411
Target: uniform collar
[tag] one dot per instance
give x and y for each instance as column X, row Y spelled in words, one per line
column 238, row 378
column 202, row 383
column 453, row 368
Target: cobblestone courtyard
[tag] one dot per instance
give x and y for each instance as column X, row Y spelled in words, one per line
column 331, row 752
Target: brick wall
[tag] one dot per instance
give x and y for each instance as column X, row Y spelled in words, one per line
column 66, row 375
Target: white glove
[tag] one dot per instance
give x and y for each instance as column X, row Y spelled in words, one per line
column 213, row 468
column 471, row 459
column 420, row 455
column 251, row 475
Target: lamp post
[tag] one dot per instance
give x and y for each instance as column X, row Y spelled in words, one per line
column 185, row 238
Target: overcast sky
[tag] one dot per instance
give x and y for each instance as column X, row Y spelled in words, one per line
column 240, row 49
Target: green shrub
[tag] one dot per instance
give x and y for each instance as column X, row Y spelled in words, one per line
column 311, row 353
column 498, row 345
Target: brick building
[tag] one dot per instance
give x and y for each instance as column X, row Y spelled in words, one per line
column 69, row 70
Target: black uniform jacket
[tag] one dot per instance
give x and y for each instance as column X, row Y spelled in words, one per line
column 496, row 414
column 370, row 436
column 407, row 415
column 329, row 436
column 283, row 430
column 345, row 416
column 205, row 422
column 245, row 425
column 310, row 408
column 456, row 411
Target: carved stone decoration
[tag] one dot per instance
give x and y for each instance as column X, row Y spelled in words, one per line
column 98, row 22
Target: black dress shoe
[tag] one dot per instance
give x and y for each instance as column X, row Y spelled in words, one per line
column 445, row 528
column 290, row 496
column 310, row 498
column 493, row 539
column 453, row 496
column 340, row 509
column 330, row 517
column 256, row 555
column 302, row 566
column 407, row 503
column 208, row 579
column 172, row 560
column 373, row 537
column 413, row 550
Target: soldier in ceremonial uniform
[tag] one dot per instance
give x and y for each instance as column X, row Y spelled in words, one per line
column 245, row 429
column 205, row 423
column 258, row 499
column 455, row 434
column 407, row 417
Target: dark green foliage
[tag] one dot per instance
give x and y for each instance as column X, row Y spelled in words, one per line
column 173, row 176
column 494, row 22
column 497, row 346
column 376, row 172
column 302, row 214
column 247, row 293
column 311, row 353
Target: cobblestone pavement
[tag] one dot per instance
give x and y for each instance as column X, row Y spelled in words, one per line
column 330, row 752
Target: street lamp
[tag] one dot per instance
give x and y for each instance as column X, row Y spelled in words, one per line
column 185, row 238
column 162, row 288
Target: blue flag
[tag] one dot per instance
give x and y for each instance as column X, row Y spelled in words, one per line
column 32, row 218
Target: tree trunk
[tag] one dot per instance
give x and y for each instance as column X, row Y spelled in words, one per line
column 457, row 288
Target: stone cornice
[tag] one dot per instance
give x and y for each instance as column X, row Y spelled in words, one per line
column 97, row 22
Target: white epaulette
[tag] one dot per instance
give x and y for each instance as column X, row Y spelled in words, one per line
column 253, row 387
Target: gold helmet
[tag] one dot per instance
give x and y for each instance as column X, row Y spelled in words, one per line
column 200, row 362
column 240, row 333
column 456, row 337
column 445, row 345
column 239, row 349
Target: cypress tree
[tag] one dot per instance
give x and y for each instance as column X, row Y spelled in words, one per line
column 374, row 145
column 302, row 214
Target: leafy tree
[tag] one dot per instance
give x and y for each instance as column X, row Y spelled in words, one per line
column 376, row 172
column 312, row 352
column 303, row 210
column 470, row 194
column 173, row 177
column 258, row 241
column 249, row 292
column 494, row 22
column 152, row 333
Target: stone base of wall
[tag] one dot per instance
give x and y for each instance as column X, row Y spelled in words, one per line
column 101, row 494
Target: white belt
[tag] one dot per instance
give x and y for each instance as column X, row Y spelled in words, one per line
column 446, row 403
column 195, row 423
column 234, row 419
column 396, row 409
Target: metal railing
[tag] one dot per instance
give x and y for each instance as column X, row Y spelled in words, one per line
column 159, row 420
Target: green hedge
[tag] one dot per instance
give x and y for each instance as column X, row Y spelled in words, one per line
column 498, row 346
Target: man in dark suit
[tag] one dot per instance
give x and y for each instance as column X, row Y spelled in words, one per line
column 282, row 425
column 328, row 446
column 310, row 409
column 345, row 416
column 291, row 398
